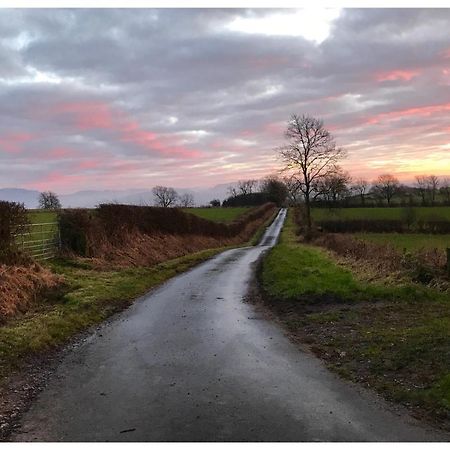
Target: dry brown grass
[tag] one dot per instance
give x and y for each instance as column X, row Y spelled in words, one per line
column 139, row 249
column 384, row 261
column 20, row 286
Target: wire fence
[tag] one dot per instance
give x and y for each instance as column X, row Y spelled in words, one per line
column 40, row 241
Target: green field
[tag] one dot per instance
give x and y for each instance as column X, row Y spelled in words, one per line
column 408, row 241
column 396, row 213
column 36, row 216
column 218, row 214
column 393, row 338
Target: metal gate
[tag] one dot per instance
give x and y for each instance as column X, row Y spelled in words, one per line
column 41, row 240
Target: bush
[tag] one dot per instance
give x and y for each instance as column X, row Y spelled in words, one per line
column 73, row 226
column 13, row 220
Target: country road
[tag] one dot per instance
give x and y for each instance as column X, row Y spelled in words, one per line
column 191, row 361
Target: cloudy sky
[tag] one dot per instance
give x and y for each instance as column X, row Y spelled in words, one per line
column 122, row 99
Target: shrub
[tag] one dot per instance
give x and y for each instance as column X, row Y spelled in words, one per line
column 85, row 232
column 13, row 220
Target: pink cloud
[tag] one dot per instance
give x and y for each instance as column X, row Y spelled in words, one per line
column 423, row 111
column 395, row 75
column 13, row 142
column 59, row 152
column 97, row 115
column 87, row 115
column 57, row 181
column 89, row 164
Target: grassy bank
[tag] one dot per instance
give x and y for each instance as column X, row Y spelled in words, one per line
column 89, row 297
column 395, row 339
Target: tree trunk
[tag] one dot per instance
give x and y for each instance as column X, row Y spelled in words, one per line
column 308, row 217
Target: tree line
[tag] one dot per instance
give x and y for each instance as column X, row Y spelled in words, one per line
column 311, row 164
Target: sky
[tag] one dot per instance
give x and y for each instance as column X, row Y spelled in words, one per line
column 120, row 99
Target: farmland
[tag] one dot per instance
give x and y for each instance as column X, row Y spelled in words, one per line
column 395, row 213
column 410, row 242
column 218, row 214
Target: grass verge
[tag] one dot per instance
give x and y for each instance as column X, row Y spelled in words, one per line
column 395, row 339
column 88, row 297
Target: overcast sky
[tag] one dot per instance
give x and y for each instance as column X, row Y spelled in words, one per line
column 101, row 99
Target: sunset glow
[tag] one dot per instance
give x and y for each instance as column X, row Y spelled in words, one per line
column 115, row 99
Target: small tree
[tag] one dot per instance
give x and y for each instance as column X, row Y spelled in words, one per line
column 421, row 187
column 334, row 187
column 246, row 186
column 274, row 189
column 232, row 191
column 186, row 200
column 432, row 185
column 445, row 190
column 164, row 196
column 310, row 155
column 293, row 189
column 49, row 200
column 215, row 203
column 360, row 187
column 386, row 186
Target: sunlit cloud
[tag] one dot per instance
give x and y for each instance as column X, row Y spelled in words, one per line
column 312, row 24
column 133, row 98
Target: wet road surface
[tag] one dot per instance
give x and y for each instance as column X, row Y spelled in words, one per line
column 191, row 361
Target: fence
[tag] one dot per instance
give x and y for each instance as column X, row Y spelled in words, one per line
column 41, row 240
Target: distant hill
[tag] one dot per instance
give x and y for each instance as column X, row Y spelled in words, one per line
column 28, row 197
column 91, row 198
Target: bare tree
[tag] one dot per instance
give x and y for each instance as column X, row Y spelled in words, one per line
column 49, row 200
column 309, row 155
column 422, row 186
column 334, row 186
column 186, row 200
column 164, row 196
column 246, row 186
column 360, row 186
column 386, row 186
column 445, row 189
column 293, row 189
column 232, row 191
column 432, row 184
